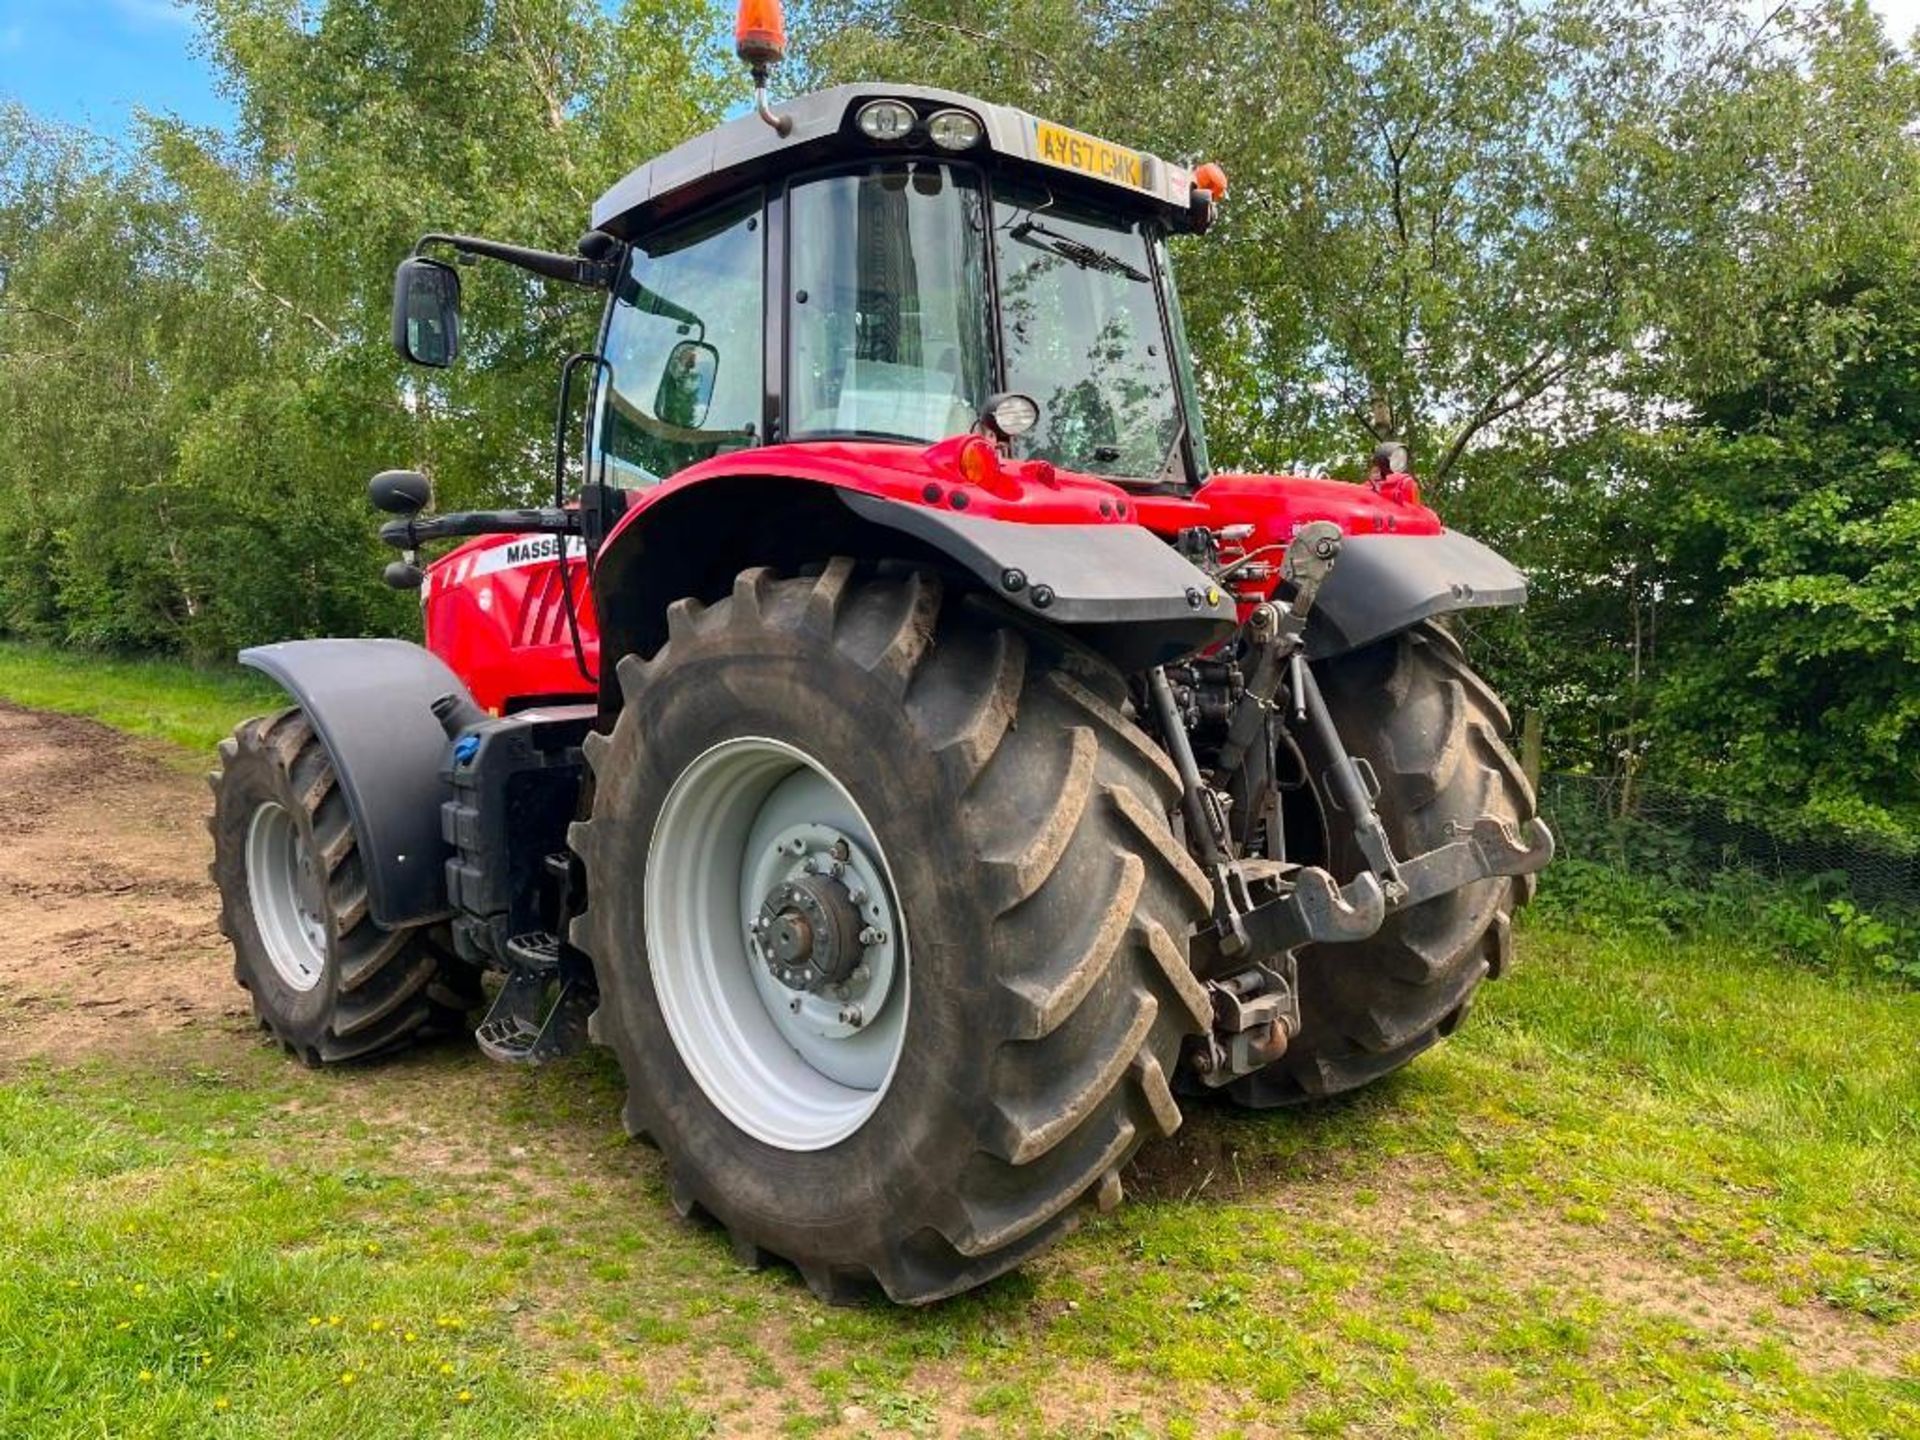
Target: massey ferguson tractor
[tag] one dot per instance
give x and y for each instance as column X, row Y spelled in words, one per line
column 901, row 746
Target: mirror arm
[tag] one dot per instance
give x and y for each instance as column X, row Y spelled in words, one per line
column 573, row 269
column 413, row 532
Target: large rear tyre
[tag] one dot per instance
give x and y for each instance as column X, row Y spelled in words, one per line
column 1434, row 732
column 1009, row 916
column 327, row 982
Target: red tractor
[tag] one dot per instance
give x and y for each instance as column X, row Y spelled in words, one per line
column 903, row 749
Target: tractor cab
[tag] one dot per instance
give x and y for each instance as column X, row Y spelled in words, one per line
column 878, row 262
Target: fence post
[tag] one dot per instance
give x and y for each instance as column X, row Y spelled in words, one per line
column 1531, row 739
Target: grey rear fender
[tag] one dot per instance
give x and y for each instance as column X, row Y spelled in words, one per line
column 371, row 703
column 1119, row 589
column 1383, row 584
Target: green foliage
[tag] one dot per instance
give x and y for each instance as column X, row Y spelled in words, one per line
column 1673, row 868
column 1750, row 628
column 1812, row 922
column 194, row 365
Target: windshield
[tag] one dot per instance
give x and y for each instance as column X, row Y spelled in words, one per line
column 890, row 317
column 889, row 304
column 1081, row 333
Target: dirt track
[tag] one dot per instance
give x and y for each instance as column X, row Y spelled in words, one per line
column 107, row 932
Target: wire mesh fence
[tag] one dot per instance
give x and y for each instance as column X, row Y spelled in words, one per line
column 1683, row 836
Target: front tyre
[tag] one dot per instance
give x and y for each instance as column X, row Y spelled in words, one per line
column 326, row 981
column 889, row 926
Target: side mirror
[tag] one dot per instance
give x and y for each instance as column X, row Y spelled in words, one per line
column 686, row 384
column 400, row 492
column 426, row 312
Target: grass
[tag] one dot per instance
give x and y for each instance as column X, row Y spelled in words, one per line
column 1649, row 1190
column 1655, row 1186
column 154, row 698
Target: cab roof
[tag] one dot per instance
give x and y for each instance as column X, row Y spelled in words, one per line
column 748, row 150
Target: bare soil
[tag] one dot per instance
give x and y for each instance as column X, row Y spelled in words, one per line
column 107, row 933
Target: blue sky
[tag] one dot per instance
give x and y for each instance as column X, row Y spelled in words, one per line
column 92, row 62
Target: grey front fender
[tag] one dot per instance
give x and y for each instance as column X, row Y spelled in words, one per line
column 370, row 702
column 1382, row 584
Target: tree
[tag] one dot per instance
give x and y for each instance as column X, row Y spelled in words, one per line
column 1448, row 218
column 1723, row 589
column 194, row 357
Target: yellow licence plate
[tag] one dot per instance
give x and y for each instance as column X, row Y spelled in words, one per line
column 1102, row 159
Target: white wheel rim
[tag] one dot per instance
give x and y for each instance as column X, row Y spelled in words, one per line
column 783, row 1059
column 285, row 890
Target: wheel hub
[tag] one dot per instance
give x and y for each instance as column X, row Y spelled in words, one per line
column 809, row 932
column 822, row 932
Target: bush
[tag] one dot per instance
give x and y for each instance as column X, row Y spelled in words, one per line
column 1814, row 921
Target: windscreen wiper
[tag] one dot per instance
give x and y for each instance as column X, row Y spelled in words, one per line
column 1087, row 257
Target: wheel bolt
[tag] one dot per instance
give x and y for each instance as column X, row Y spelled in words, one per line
column 871, row 936
column 850, row 1015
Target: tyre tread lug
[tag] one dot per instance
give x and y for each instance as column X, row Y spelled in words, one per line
column 1022, row 1134
column 1046, row 1005
column 1023, row 873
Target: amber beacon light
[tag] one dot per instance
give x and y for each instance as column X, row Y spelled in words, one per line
column 760, row 34
column 1209, row 177
column 760, row 40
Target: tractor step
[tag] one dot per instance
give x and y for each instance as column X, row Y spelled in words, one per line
column 536, row 951
column 522, row 1028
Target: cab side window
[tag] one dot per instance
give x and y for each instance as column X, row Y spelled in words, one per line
column 685, row 345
